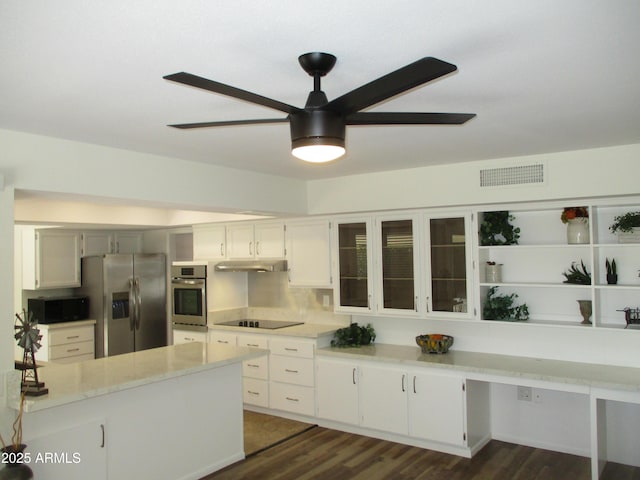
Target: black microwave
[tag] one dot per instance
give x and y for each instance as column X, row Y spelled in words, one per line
column 59, row 309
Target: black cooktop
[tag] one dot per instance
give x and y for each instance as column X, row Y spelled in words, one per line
column 268, row 324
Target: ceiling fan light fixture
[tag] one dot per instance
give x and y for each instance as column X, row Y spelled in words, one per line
column 318, row 149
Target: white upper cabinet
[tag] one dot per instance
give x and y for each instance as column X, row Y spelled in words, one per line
column 353, row 289
column 102, row 242
column 209, row 242
column 308, row 253
column 50, row 259
column 449, row 266
column 397, row 260
column 260, row 240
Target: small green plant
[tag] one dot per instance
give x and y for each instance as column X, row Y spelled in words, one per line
column 578, row 274
column 496, row 229
column 625, row 223
column 500, row 307
column 354, row 336
column 612, row 269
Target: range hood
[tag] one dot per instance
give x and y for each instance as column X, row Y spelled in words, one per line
column 252, row 266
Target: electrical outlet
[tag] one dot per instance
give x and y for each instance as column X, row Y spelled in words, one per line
column 524, row 393
column 537, row 396
column 325, row 301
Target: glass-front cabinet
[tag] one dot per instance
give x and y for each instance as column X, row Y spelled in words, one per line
column 397, row 252
column 353, row 290
column 449, row 266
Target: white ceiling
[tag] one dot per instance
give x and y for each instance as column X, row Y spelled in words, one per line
column 541, row 75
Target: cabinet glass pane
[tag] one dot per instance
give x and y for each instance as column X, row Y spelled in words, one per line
column 397, row 264
column 448, row 265
column 352, row 248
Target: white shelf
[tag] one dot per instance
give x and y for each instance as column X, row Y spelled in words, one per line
column 535, row 285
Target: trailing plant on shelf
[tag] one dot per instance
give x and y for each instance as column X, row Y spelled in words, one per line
column 625, row 223
column 578, row 274
column 569, row 213
column 501, row 307
column 496, row 229
column 353, row 336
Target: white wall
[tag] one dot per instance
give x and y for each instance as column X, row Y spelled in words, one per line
column 6, row 300
column 583, row 173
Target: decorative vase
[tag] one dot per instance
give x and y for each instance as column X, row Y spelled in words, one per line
column 578, row 230
column 493, row 273
column 585, row 311
column 14, row 468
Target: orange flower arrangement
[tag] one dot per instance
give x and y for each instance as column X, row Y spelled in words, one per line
column 569, row 213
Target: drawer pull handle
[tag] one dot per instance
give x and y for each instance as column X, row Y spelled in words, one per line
column 72, row 350
column 292, row 399
column 189, row 339
column 403, row 382
column 291, row 349
column 102, row 428
column 223, row 341
column 290, row 371
column 353, row 376
column 253, row 365
column 71, row 337
column 253, row 345
column 253, row 393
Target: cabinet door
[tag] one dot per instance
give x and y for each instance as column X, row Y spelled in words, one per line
column 308, row 254
column 128, row 242
column 397, row 290
column 337, row 390
column 55, row 259
column 449, row 266
column 96, row 243
column 209, row 242
column 436, row 408
column 383, row 399
column 269, row 240
column 353, row 292
column 240, row 243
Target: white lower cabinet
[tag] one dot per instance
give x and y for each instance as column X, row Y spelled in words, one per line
column 67, row 342
column 383, row 399
column 255, row 372
column 421, row 404
column 187, row 336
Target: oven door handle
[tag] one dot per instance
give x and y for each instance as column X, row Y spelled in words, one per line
column 184, row 281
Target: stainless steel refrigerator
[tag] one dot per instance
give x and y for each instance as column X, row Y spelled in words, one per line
column 127, row 298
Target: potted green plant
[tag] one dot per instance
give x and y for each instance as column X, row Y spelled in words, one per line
column 496, row 229
column 578, row 274
column 501, row 307
column 627, row 227
column 353, row 336
column 612, row 271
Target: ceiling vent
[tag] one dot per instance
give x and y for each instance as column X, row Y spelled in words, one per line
column 517, row 175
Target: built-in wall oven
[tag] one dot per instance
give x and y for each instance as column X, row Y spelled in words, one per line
column 189, row 297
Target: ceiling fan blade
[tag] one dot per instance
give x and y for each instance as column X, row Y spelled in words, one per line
column 407, row 118
column 394, row 83
column 221, row 88
column 227, row 123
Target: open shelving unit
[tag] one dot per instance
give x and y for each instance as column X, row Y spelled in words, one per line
column 533, row 269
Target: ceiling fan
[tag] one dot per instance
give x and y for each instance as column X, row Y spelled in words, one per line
column 318, row 129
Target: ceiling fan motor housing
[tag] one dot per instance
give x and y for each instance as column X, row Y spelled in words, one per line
column 316, row 127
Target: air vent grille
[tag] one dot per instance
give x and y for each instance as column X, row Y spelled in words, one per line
column 518, row 175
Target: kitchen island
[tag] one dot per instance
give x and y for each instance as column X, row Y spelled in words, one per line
column 166, row 413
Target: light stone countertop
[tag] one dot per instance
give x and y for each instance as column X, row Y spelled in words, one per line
column 78, row 381
column 75, row 323
column 306, row 330
column 479, row 364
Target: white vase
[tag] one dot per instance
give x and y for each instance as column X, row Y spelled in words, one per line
column 578, row 230
column 493, row 273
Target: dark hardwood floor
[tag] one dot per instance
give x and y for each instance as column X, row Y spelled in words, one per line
column 320, row 454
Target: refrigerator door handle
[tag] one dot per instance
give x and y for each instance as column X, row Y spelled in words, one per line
column 132, row 304
column 138, row 302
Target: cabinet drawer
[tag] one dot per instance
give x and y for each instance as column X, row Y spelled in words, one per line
column 291, row 348
column 187, row 336
column 256, row 368
column 222, row 338
column 70, row 335
column 79, row 358
column 298, row 371
column 292, row 398
column 253, row 341
column 255, row 392
column 71, row 350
